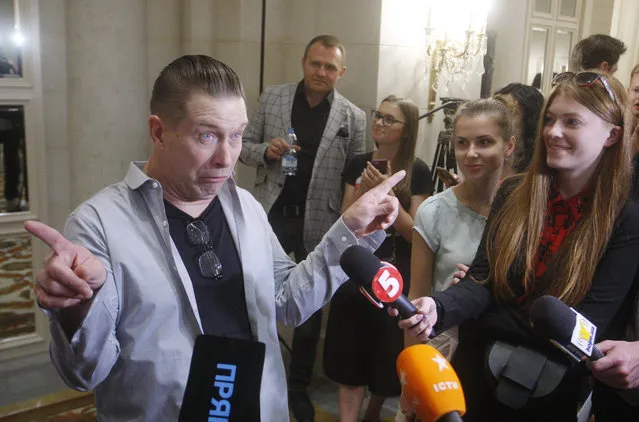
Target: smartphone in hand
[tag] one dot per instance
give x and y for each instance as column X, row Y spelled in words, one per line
column 380, row 165
column 446, row 176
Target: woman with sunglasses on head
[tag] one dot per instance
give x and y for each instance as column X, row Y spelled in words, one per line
column 566, row 228
column 362, row 342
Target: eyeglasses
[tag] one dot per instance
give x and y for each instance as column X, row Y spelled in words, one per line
column 387, row 119
column 586, row 80
column 208, row 263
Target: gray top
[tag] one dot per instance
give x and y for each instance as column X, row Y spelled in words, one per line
column 452, row 231
column 134, row 346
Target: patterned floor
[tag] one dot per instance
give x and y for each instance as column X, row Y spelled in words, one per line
column 87, row 414
column 322, row 391
column 17, row 313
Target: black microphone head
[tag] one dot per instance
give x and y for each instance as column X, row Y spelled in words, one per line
column 359, row 264
column 552, row 318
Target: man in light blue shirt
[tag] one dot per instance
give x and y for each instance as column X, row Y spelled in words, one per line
column 122, row 298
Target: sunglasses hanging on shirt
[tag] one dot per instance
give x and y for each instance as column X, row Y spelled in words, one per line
column 208, row 263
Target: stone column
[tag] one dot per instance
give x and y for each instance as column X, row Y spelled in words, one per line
column 107, row 91
column 164, row 26
column 624, row 26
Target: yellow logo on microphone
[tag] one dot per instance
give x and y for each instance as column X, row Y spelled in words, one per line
column 583, row 334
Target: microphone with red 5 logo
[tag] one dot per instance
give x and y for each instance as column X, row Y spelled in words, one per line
column 380, row 282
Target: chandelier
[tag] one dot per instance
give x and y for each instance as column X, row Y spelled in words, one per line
column 455, row 36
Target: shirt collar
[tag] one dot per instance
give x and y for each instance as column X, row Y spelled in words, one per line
column 300, row 91
column 136, row 177
column 574, row 203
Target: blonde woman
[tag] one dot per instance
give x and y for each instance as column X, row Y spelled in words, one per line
column 448, row 226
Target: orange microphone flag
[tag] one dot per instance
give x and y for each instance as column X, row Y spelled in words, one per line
column 429, row 383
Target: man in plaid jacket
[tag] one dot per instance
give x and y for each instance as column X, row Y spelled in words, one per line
column 301, row 208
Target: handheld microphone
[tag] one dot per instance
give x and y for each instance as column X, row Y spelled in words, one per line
column 572, row 333
column 430, row 384
column 565, row 328
column 379, row 281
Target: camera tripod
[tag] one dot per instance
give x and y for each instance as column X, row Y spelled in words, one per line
column 444, row 152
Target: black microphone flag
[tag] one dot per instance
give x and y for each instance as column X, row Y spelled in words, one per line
column 224, row 381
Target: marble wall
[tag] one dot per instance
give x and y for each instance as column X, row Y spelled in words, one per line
column 17, row 310
column 55, row 109
column 624, row 26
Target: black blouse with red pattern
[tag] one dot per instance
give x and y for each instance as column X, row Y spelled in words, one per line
column 562, row 216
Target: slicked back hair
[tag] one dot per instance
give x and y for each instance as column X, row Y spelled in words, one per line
column 187, row 75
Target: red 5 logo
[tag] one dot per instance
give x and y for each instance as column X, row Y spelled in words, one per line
column 388, row 283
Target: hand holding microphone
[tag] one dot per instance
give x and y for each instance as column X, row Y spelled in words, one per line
column 430, row 385
column 575, row 335
column 382, row 284
column 421, row 324
column 619, row 368
column 565, row 328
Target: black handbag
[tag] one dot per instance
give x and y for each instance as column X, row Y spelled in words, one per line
column 521, row 375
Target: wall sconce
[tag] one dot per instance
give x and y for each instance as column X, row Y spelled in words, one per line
column 455, row 35
column 17, row 38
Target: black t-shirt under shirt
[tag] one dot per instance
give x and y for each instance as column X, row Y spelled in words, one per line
column 394, row 245
column 309, row 124
column 221, row 303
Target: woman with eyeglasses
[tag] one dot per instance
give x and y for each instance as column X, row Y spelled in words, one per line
column 362, row 342
column 567, row 229
column 448, row 226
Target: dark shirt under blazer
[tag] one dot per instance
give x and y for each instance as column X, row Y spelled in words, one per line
column 344, row 137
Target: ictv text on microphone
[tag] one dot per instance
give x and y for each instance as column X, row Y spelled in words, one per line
column 430, row 385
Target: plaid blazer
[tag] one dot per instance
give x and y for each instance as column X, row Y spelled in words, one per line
column 344, row 137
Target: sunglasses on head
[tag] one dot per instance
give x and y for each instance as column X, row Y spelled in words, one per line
column 586, row 80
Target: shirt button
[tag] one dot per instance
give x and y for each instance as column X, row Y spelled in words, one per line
column 155, row 185
column 344, row 239
column 165, row 223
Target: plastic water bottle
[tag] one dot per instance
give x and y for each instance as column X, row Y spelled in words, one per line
column 289, row 158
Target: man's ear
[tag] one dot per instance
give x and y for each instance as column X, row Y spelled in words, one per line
column 342, row 71
column 604, row 67
column 616, row 133
column 156, row 130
